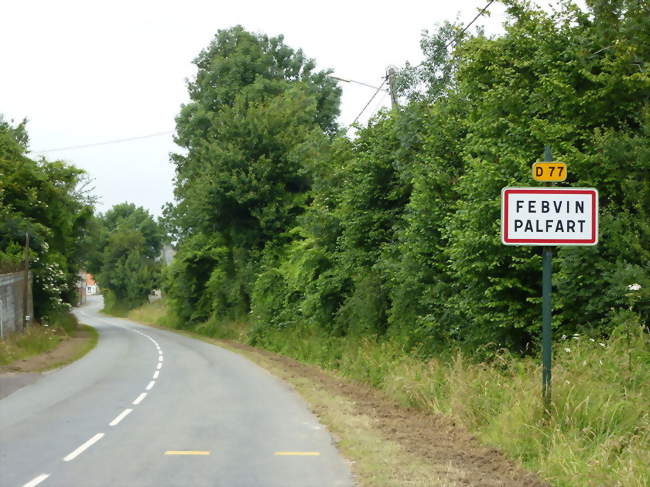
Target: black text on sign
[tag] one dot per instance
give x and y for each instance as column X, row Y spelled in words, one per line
column 549, row 171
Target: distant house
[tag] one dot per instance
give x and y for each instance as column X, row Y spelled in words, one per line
column 86, row 286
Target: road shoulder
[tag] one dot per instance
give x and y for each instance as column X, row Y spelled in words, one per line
column 390, row 445
column 23, row 372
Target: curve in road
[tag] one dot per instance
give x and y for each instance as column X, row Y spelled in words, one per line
column 149, row 407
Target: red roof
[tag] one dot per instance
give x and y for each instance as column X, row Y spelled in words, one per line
column 90, row 280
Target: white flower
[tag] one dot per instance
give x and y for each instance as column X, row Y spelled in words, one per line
column 634, row 287
column 567, row 350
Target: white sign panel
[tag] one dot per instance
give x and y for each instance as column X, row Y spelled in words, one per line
column 549, row 216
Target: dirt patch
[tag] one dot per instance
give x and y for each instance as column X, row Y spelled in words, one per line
column 61, row 354
column 459, row 458
column 27, row 371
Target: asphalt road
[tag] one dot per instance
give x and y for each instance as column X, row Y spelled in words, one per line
column 148, row 407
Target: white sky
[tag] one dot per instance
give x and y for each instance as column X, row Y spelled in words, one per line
column 84, row 71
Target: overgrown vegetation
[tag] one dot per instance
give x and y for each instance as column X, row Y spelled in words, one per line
column 598, row 432
column 48, row 201
column 395, row 233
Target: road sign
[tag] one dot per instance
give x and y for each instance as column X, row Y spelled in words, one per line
column 549, row 171
column 549, row 216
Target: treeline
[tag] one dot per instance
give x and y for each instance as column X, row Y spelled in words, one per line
column 282, row 219
column 49, row 201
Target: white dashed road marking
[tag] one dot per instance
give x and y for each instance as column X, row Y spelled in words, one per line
column 139, row 399
column 71, row 456
column 120, row 417
column 34, row 482
column 83, row 447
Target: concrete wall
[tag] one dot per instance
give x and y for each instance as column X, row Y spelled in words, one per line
column 11, row 302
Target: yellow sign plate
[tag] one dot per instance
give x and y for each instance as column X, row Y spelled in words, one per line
column 549, row 171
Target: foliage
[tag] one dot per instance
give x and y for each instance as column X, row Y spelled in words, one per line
column 46, row 200
column 395, row 233
column 380, row 255
column 125, row 255
column 258, row 122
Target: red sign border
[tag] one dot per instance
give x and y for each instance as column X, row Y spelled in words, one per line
column 506, row 192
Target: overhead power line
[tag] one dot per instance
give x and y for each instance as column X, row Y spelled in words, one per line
column 464, row 29
column 483, row 10
column 369, row 101
column 452, row 41
column 107, row 142
column 354, row 81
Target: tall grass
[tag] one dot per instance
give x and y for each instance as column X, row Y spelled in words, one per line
column 37, row 338
column 596, row 434
column 154, row 313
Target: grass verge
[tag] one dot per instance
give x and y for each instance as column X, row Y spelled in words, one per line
column 83, row 341
column 46, row 347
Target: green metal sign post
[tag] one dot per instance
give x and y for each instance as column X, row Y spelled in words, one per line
column 548, row 216
column 547, row 331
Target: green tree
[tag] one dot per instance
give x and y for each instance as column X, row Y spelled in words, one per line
column 260, row 115
column 405, row 239
column 126, row 258
column 47, row 200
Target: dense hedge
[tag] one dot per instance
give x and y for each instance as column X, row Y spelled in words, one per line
column 395, row 232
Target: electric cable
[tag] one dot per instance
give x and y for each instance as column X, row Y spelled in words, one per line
column 369, row 101
column 452, row 41
column 463, row 30
column 107, row 142
column 354, row 81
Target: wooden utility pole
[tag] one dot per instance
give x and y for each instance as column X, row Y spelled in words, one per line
column 26, row 283
column 390, row 74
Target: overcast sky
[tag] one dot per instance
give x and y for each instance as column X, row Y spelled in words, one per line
column 84, row 71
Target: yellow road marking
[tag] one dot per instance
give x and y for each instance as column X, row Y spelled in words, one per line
column 186, row 452
column 298, row 453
